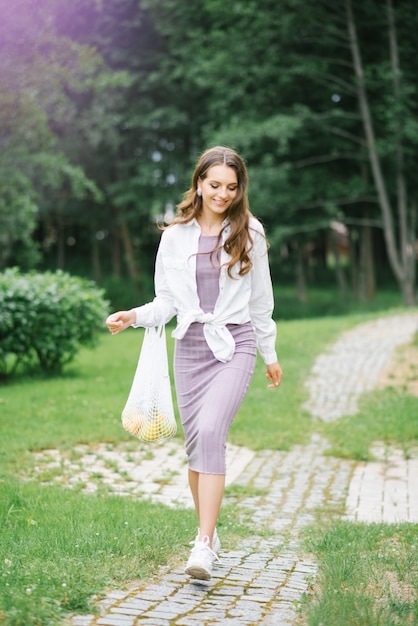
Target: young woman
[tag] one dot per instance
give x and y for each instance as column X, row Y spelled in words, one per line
column 212, row 273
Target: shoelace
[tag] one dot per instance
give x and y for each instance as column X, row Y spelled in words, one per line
column 197, row 537
column 205, row 541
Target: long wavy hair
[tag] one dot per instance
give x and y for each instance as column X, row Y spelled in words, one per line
column 239, row 242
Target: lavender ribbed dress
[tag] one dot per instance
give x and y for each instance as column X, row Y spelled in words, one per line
column 209, row 393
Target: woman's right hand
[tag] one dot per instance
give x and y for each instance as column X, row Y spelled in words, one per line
column 120, row 321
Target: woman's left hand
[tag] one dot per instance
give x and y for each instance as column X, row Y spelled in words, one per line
column 274, row 374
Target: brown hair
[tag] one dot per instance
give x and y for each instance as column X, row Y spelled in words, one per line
column 239, row 241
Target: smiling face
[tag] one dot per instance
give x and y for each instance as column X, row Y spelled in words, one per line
column 219, row 188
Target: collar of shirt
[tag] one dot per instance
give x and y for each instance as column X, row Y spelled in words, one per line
column 225, row 226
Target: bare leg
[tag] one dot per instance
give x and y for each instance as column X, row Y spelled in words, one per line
column 194, row 488
column 207, row 491
column 210, row 493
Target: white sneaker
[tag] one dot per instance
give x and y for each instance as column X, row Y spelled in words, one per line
column 216, row 544
column 200, row 561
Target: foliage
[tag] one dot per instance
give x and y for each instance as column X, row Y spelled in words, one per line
column 46, row 317
column 106, row 105
column 18, row 221
column 42, row 76
column 295, row 113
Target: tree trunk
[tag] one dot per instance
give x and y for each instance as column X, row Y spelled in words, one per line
column 301, row 284
column 130, row 254
column 399, row 261
column 354, row 270
column 407, row 230
column 116, row 254
column 339, row 270
column 399, row 164
column 95, row 261
column 60, row 243
column 367, row 282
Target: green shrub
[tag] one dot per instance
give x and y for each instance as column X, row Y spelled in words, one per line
column 45, row 318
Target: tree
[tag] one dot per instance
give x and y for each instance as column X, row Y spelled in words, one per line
column 135, row 151
column 400, row 238
column 318, row 97
column 37, row 70
column 330, row 146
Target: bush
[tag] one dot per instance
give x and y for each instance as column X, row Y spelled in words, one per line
column 45, row 318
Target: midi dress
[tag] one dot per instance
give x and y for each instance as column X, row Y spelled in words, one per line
column 209, row 392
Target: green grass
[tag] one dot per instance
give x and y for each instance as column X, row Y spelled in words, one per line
column 325, row 300
column 59, row 547
column 368, row 575
column 389, row 415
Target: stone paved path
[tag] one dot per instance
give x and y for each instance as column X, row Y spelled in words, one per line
column 262, row 580
column 258, row 582
column 131, row 469
column 353, row 364
column 386, row 490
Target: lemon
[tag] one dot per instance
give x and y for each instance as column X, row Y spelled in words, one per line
column 150, row 431
column 132, row 421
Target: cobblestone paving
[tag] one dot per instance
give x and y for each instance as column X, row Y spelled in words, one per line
column 262, row 580
column 353, row 365
column 386, row 490
column 130, row 469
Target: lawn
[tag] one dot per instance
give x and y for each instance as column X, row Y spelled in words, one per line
column 59, row 547
column 368, row 575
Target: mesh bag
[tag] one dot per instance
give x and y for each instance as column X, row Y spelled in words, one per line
column 149, row 411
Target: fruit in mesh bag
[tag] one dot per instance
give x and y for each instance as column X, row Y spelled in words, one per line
column 132, row 420
column 154, row 428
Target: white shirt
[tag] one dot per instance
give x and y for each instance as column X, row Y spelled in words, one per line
column 241, row 299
